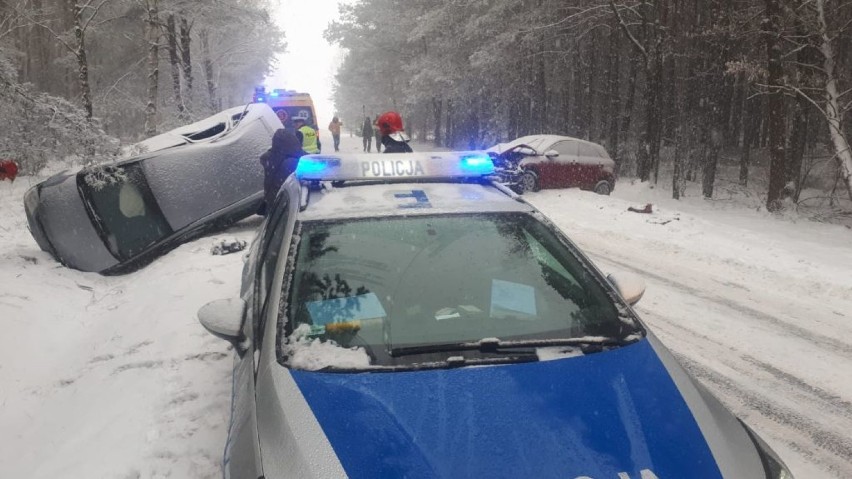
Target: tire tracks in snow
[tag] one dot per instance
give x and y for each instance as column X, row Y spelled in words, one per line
column 783, row 399
column 826, row 342
column 756, row 386
column 836, row 449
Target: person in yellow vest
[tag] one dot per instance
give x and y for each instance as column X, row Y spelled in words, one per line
column 306, row 134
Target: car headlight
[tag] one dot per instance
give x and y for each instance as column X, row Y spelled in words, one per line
column 774, row 466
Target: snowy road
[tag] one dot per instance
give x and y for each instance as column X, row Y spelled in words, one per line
column 759, row 309
column 113, row 377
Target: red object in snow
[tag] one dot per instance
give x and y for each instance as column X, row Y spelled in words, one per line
column 389, row 122
column 646, row 209
column 8, row 170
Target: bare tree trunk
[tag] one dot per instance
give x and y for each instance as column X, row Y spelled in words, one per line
column 514, row 108
column 711, row 162
column 174, row 59
column 631, row 95
column 208, row 70
column 833, row 113
column 82, row 61
column 748, row 130
column 590, row 92
column 655, row 127
column 798, row 139
column 186, row 57
column 437, row 106
column 737, row 111
column 448, row 136
column 579, row 97
column 615, row 97
column 152, row 36
column 651, row 51
column 777, row 113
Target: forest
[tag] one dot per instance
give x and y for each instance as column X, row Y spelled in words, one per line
column 745, row 92
column 732, row 93
column 79, row 78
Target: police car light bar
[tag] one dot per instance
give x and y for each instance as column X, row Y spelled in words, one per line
column 395, row 166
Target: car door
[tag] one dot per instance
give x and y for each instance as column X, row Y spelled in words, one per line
column 242, row 452
column 564, row 167
column 589, row 166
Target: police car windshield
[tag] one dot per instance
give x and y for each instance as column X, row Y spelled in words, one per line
column 386, row 284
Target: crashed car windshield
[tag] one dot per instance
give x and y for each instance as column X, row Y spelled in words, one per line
column 128, row 214
column 421, row 289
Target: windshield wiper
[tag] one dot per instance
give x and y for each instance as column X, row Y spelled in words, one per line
column 495, row 345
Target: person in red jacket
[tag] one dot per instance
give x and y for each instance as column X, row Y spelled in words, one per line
column 8, row 170
column 394, row 138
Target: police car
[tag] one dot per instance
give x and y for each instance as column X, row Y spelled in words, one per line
column 419, row 320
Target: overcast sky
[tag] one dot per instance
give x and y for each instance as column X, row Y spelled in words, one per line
column 310, row 62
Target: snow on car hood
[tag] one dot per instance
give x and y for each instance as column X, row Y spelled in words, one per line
column 536, row 142
column 597, row 415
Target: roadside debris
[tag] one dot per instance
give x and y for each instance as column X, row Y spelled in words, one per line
column 228, row 247
column 647, row 209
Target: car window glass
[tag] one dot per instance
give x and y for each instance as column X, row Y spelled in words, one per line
column 565, row 148
column 399, row 282
column 127, row 213
column 207, row 133
column 588, row 150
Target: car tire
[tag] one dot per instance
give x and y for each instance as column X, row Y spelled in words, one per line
column 529, row 181
column 603, row 188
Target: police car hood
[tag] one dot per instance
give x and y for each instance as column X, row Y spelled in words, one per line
column 614, row 414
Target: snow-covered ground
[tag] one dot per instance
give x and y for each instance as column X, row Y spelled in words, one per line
column 112, row 377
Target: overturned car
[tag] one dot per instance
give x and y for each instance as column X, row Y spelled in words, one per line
column 114, row 219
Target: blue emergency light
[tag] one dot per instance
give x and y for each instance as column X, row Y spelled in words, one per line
column 479, row 163
column 396, row 167
column 314, row 166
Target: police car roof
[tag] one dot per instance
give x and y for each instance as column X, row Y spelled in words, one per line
column 407, row 199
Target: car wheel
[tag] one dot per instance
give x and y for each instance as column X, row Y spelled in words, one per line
column 529, row 181
column 603, row 188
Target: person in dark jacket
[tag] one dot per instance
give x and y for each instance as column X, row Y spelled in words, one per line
column 278, row 163
column 394, row 138
column 367, row 134
column 378, row 132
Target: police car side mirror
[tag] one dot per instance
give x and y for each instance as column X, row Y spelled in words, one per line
column 224, row 318
column 629, row 286
column 551, row 154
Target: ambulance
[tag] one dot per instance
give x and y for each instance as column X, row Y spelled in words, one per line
column 293, row 102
